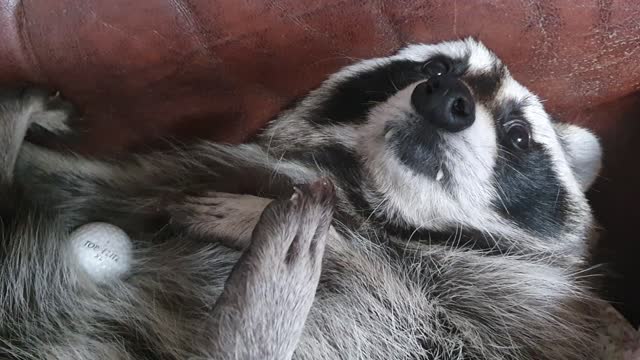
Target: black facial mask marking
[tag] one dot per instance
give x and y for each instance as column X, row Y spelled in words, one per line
column 530, row 193
column 352, row 99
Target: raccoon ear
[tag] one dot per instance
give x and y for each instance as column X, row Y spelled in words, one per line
column 583, row 151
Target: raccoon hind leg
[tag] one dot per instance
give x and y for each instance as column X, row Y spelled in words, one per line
column 225, row 217
column 19, row 110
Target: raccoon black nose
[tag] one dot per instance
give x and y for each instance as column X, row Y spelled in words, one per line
column 445, row 102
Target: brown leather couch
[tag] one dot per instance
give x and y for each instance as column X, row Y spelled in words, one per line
column 144, row 69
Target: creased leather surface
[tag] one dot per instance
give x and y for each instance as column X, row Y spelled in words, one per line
column 140, row 70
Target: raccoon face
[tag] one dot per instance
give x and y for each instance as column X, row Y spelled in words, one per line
column 441, row 137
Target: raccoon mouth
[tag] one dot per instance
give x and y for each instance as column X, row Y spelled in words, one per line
column 419, row 148
column 440, row 174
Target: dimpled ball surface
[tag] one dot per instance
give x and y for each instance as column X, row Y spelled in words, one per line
column 102, row 250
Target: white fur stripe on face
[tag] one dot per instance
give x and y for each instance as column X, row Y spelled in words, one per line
column 463, row 190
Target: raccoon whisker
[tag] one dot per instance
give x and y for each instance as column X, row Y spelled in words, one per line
column 500, row 193
column 390, row 77
column 555, row 202
column 276, row 167
column 373, row 212
column 420, row 227
column 523, row 176
column 268, row 152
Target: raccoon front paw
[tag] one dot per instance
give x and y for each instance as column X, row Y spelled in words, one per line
column 274, row 283
column 293, row 232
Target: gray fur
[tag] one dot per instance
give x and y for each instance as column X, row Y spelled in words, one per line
column 52, row 310
column 413, row 268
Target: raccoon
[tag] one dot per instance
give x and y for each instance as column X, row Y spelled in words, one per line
column 450, row 222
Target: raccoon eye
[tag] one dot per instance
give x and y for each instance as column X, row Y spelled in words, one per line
column 517, row 134
column 436, row 67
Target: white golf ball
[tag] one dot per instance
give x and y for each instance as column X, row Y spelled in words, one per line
column 102, row 250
